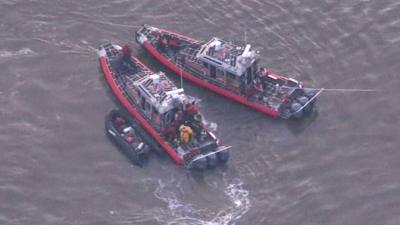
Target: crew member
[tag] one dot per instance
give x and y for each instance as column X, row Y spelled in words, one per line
column 185, row 134
column 126, row 60
column 129, row 138
column 197, row 124
column 170, row 133
column 173, row 43
column 262, row 75
column 163, row 42
column 190, row 110
column 178, row 117
column 119, row 121
column 126, row 53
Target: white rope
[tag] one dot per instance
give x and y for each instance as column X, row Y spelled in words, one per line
column 181, row 77
column 341, row 89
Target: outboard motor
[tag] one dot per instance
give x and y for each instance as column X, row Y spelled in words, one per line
column 310, row 92
column 303, row 100
column 199, row 162
column 294, row 108
column 223, row 156
column 212, row 160
column 141, row 148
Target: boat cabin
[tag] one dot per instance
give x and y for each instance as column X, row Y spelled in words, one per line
column 229, row 63
column 158, row 97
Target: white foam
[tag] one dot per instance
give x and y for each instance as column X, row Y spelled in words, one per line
column 21, row 52
column 180, row 212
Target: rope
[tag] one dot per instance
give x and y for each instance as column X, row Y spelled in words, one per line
column 341, row 89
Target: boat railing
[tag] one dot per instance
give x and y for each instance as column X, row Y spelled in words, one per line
column 189, row 163
column 121, row 84
column 190, row 52
column 147, row 117
column 182, row 37
column 198, row 73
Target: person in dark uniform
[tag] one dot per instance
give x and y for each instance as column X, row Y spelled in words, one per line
column 126, row 60
column 263, row 74
column 242, row 84
column 126, row 53
column 163, row 42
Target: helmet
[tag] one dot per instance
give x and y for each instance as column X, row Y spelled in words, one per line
column 119, row 121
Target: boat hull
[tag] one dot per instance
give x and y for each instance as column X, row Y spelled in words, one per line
column 134, row 112
column 132, row 82
column 263, row 90
column 204, row 84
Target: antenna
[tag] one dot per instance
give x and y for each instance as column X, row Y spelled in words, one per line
column 180, row 69
column 177, row 61
column 245, row 35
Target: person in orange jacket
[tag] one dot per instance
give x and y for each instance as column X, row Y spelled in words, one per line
column 185, row 134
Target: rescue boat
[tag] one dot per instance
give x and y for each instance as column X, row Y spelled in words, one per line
column 167, row 114
column 229, row 70
column 127, row 136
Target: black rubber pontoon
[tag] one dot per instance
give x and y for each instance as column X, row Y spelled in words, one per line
column 126, row 134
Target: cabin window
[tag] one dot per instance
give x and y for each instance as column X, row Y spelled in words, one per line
column 138, row 96
column 243, row 79
column 255, row 66
column 220, row 73
column 155, row 116
column 213, row 71
column 168, row 117
column 142, row 102
column 232, row 80
column 155, row 112
column 147, row 107
column 248, row 76
column 230, row 76
column 205, row 64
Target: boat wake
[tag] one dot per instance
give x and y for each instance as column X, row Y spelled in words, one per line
column 82, row 47
column 180, row 212
column 21, row 52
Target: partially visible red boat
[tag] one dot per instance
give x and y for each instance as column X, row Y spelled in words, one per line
column 229, row 70
column 169, row 115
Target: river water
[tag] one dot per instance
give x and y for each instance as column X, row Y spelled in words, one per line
column 339, row 166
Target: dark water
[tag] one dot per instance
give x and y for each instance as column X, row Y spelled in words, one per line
column 341, row 166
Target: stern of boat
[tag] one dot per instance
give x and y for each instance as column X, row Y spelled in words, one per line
column 208, row 155
column 142, row 35
column 300, row 103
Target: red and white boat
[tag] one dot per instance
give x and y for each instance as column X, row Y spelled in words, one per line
column 229, row 70
column 169, row 115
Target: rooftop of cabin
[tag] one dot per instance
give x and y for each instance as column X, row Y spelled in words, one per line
column 159, row 91
column 227, row 56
